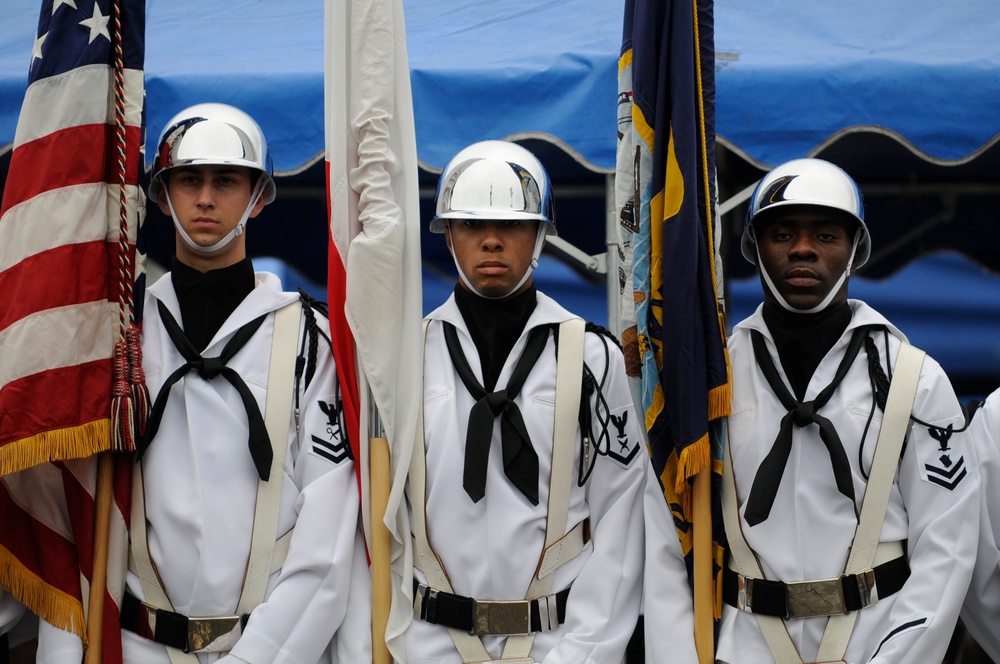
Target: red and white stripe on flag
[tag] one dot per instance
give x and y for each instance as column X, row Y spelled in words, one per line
column 374, row 266
column 47, row 545
column 59, row 234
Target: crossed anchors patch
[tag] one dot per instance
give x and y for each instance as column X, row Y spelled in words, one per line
column 622, row 446
column 334, row 447
column 942, row 468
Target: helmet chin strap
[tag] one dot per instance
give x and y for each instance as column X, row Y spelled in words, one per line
column 539, row 242
column 238, row 230
column 829, row 296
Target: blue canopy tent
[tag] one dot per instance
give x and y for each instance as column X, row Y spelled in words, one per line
column 904, row 94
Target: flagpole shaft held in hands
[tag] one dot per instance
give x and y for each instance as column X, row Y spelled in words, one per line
column 704, row 595
column 379, row 484
column 99, row 573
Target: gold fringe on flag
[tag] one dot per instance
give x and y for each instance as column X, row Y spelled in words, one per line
column 720, row 399
column 55, row 445
column 55, row 607
column 698, row 456
column 693, row 459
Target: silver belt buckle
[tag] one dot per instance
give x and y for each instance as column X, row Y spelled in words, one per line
column 501, row 617
column 548, row 613
column 805, row 599
column 866, row 582
column 418, row 600
column 213, row 634
column 744, row 598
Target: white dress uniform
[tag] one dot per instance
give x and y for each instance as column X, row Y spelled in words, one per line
column 981, row 613
column 200, row 486
column 11, row 612
column 811, row 525
column 490, row 549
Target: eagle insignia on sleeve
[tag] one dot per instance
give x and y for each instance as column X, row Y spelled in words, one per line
column 943, row 469
column 622, row 445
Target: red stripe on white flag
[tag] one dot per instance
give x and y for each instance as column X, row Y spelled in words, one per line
column 374, row 275
column 340, row 334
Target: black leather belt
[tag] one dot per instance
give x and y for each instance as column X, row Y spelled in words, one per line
column 804, row 599
column 480, row 617
column 179, row 631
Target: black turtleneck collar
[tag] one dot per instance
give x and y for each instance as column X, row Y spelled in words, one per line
column 207, row 299
column 803, row 340
column 495, row 326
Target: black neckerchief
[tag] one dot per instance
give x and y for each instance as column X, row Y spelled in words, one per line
column 209, row 368
column 799, row 414
column 803, row 340
column 495, row 326
column 520, row 460
column 207, row 299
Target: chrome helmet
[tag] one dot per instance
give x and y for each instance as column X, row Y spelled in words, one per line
column 212, row 134
column 812, row 182
column 471, row 185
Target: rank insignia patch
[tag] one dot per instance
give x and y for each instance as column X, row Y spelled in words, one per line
column 334, row 446
column 623, row 443
column 944, row 469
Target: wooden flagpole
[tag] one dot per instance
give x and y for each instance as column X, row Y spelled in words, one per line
column 704, row 586
column 381, row 541
column 99, row 573
column 120, row 402
column 129, row 399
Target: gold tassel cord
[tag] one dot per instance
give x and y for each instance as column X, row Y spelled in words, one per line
column 129, row 398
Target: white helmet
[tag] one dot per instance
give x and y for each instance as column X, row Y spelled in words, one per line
column 494, row 180
column 811, row 182
column 213, row 134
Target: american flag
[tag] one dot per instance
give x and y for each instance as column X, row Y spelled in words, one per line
column 374, row 261
column 63, row 279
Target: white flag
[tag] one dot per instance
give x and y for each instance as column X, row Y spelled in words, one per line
column 374, row 273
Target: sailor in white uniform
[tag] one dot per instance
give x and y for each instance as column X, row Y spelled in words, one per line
column 11, row 612
column 819, row 524
column 981, row 612
column 245, row 530
column 489, row 489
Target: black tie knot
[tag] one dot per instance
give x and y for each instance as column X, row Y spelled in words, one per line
column 497, row 401
column 519, row 457
column 803, row 413
column 765, row 484
column 209, row 367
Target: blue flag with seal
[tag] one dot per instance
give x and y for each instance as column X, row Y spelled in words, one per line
column 670, row 280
